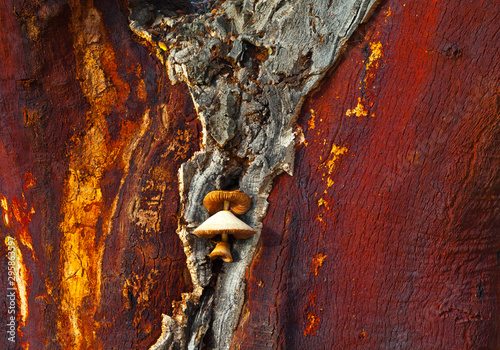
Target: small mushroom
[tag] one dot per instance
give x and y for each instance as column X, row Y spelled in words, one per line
column 222, row 251
column 222, row 204
column 239, row 202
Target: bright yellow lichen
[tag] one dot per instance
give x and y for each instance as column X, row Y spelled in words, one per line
column 322, row 202
column 365, row 103
column 317, row 262
column 376, row 53
column 335, row 154
column 358, row 111
column 329, row 182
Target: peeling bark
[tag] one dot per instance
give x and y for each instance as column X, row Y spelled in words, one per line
column 384, row 237
column 248, row 66
column 90, row 148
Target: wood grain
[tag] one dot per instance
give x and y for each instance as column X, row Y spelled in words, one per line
column 386, row 237
column 92, row 136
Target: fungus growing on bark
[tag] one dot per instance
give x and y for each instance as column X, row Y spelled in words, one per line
column 239, row 202
column 223, row 222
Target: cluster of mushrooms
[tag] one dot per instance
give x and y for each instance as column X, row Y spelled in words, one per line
column 223, row 205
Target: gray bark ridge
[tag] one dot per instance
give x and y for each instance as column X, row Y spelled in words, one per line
column 248, row 64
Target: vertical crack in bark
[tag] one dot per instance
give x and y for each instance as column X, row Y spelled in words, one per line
column 248, row 64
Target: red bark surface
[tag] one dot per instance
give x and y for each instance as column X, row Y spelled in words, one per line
column 386, row 237
column 91, row 139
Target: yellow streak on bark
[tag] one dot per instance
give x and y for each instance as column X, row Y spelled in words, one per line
column 82, row 207
column 3, row 203
column 83, row 203
column 376, row 53
column 21, row 276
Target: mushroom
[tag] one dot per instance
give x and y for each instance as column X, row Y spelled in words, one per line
column 239, row 202
column 222, row 204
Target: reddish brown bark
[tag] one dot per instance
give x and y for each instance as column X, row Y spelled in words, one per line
column 386, row 237
column 92, row 137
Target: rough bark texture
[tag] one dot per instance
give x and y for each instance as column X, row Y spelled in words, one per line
column 248, row 66
column 386, row 236
column 92, row 137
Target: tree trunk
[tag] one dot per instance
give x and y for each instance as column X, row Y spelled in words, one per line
column 384, row 237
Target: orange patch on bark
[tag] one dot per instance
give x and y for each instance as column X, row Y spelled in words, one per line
column 310, row 123
column 22, row 213
column 317, row 261
column 313, row 324
column 29, row 180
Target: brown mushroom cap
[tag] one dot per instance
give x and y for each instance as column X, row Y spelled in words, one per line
column 239, row 202
column 224, row 222
column 222, row 251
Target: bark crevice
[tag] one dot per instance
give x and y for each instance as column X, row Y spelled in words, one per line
column 248, row 65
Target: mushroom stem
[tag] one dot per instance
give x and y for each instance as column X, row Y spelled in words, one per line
column 225, row 237
column 226, row 205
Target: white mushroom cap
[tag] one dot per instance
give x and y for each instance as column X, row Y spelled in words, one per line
column 224, row 222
